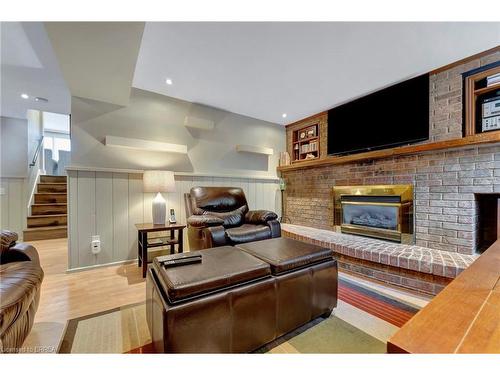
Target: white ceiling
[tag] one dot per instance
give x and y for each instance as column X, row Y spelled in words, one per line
column 265, row 69
column 97, row 59
column 28, row 65
column 256, row 69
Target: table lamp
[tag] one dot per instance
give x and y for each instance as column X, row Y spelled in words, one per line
column 159, row 182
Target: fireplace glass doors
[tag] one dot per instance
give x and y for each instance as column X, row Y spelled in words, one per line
column 371, row 215
column 381, row 211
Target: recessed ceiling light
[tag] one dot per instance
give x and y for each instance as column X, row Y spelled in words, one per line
column 283, row 115
column 25, row 96
column 168, row 81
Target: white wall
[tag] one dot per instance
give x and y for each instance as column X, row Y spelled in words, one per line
column 12, row 205
column 106, row 198
column 156, row 117
column 55, row 122
column 109, row 204
column 13, row 147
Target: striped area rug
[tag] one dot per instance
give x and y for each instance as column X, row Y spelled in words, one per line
column 373, row 303
column 124, row 330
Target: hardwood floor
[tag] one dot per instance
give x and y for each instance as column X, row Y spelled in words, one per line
column 70, row 295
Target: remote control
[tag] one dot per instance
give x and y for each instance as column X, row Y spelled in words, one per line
column 181, row 261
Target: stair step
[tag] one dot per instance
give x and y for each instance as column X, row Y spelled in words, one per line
column 52, row 179
column 45, row 233
column 52, row 187
column 51, row 198
column 49, row 209
column 47, row 220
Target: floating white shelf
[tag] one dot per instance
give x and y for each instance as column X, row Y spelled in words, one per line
column 198, row 123
column 255, row 149
column 142, row 144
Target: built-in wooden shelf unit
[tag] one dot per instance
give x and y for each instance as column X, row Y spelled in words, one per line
column 476, row 90
column 306, row 143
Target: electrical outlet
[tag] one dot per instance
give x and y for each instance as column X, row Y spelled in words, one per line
column 95, row 244
column 2, row 191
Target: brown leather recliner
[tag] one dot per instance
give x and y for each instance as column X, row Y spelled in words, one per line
column 219, row 216
column 21, row 279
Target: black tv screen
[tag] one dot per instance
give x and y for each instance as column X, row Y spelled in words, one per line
column 396, row 115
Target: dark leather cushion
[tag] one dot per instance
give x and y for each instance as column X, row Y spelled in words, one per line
column 230, row 219
column 7, row 240
column 221, row 267
column 260, row 216
column 201, row 221
column 285, row 254
column 248, row 233
column 217, row 199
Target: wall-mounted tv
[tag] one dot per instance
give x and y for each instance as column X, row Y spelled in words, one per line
column 394, row 116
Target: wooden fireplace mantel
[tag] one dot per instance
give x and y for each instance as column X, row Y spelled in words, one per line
column 477, row 139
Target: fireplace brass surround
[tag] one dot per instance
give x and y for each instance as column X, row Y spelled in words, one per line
column 399, row 196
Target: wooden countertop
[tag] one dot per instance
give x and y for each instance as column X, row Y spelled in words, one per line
column 463, row 318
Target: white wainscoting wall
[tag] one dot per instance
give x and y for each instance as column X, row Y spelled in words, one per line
column 12, row 204
column 109, row 204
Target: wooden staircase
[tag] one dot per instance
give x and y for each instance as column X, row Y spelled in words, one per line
column 49, row 213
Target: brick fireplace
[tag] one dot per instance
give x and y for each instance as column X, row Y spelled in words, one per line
column 445, row 185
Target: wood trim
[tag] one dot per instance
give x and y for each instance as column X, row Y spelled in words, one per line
column 190, row 174
column 478, row 139
column 463, row 318
column 465, row 60
column 498, row 219
column 307, row 118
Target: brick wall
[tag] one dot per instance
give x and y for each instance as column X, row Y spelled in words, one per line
column 445, row 182
column 445, row 185
column 446, row 99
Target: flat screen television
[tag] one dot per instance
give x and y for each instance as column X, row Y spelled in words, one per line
column 394, row 116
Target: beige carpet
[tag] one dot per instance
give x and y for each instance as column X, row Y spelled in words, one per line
column 124, row 330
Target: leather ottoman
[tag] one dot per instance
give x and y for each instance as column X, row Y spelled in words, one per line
column 238, row 299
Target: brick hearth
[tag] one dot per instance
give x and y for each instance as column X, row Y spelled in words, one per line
column 426, row 270
column 410, row 257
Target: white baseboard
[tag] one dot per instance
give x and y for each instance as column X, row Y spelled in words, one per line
column 86, row 268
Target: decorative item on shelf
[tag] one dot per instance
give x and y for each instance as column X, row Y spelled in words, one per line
column 159, row 182
column 302, row 135
column 284, row 158
column 296, row 147
column 282, row 184
column 310, row 156
column 311, row 132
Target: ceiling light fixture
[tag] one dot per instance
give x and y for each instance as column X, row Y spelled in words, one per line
column 25, row 96
column 40, row 99
column 168, row 81
column 283, row 115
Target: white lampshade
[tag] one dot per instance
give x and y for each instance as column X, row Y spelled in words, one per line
column 158, row 182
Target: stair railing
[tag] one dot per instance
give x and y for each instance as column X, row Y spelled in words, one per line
column 37, row 152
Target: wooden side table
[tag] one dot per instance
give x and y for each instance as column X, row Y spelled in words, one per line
column 143, row 243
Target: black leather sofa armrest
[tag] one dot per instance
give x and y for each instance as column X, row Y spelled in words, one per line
column 203, row 221
column 260, row 216
column 215, row 236
column 21, row 252
column 275, row 227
